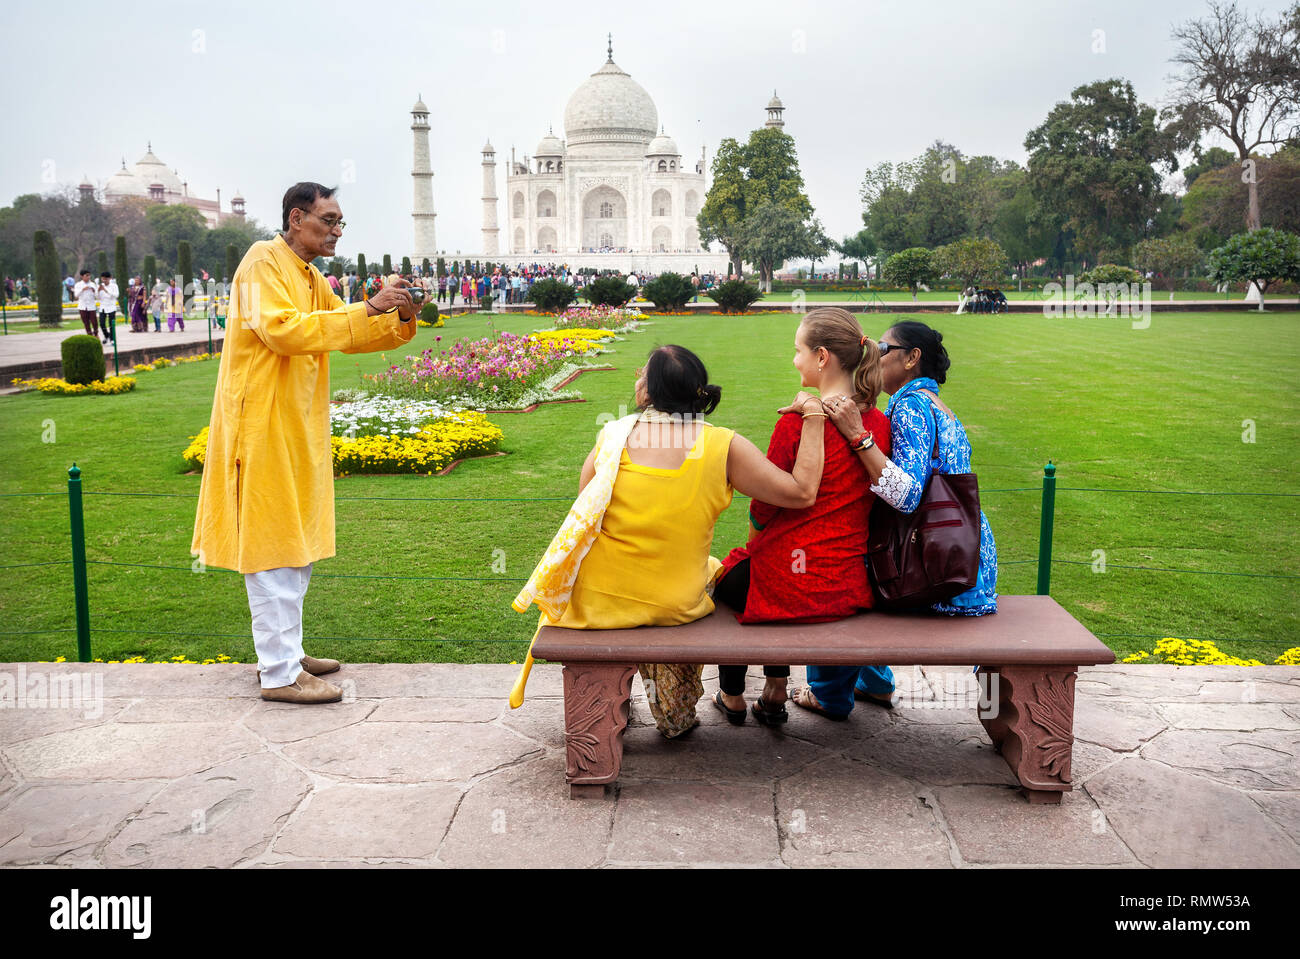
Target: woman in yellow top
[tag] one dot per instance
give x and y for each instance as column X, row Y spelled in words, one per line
column 649, row 564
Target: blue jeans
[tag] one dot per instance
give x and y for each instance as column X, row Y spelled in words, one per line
column 833, row 685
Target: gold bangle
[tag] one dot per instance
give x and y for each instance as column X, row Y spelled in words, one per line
column 806, row 415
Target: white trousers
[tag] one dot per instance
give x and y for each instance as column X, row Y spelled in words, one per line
column 275, row 600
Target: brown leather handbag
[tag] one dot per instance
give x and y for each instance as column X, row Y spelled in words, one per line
column 929, row 555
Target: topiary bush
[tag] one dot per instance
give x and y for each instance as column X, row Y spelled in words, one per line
column 551, row 295
column 735, row 296
column 429, row 313
column 608, row 291
column 669, row 292
column 83, row 359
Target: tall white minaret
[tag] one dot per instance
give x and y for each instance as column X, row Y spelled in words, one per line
column 426, row 243
column 774, row 110
column 490, row 228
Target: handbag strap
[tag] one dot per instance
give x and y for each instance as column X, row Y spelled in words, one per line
column 934, row 447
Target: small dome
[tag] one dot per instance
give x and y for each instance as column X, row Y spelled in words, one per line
column 488, row 148
column 419, row 106
column 662, row 146
column 775, row 103
column 549, row 146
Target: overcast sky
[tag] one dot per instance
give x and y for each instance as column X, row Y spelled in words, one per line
column 253, row 96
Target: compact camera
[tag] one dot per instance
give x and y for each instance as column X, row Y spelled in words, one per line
column 417, row 295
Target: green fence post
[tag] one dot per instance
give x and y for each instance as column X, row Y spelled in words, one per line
column 79, row 564
column 1045, row 530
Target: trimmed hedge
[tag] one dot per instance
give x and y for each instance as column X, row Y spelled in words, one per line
column 83, row 359
column 669, row 292
column 607, row 291
column 735, row 296
column 551, row 295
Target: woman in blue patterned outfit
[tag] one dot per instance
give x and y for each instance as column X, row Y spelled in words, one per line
column 913, row 363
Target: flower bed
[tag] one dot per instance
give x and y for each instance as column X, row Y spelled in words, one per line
column 430, row 447
column 162, row 362
column 496, row 373
column 108, row 386
column 1202, row 652
column 617, row 318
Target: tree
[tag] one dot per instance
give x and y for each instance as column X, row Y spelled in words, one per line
column 442, row 266
column 406, row 266
column 122, row 270
column 425, row 267
column 1093, row 163
column 174, row 223
column 49, row 288
column 1264, row 257
column 1217, row 201
column 765, row 169
column 1168, row 256
column 1240, row 76
column 771, row 235
column 361, row 267
column 910, row 268
column 1215, row 158
column 388, row 264
column 861, row 246
column 232, row 262
column 1020, row 229
column 185, row 270
column 971, row 260
column 102, row 255
column 150, row 272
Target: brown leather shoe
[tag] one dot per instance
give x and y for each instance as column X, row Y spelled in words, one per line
column 317, row 667
column 306, row 689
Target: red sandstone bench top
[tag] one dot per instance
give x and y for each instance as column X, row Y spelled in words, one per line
column 1026, row 630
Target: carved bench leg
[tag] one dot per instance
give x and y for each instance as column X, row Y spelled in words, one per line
column 596, row 699
column 1031, row 723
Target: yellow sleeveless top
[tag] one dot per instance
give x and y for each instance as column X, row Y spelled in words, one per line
column 650, row 562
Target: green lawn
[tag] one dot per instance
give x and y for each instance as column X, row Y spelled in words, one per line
column 1113, row 407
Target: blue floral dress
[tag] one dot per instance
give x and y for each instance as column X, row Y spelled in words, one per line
column 913, row 422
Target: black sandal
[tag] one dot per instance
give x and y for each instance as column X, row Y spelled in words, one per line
column 770, row 717
column 734, row 716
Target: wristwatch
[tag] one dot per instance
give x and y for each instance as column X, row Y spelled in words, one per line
column 863, row 442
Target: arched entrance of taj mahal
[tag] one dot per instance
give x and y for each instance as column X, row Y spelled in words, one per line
column 604, row 219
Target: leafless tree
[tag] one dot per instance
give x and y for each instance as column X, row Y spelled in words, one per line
column 1240, row 76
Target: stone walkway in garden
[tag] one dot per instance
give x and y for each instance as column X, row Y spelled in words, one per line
column 25, row 354
column 425, row 765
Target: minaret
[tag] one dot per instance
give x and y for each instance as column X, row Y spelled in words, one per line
column 490, row 228
column 426, row 243
column 774, row 110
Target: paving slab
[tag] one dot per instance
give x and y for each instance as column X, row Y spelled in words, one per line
column 1247, row 690
column 1243, row 716
column 218, row 818
column 288, row 722
column 378, row 821
column 935, row 754
column 187, row 710
column 426, row 710
column 695, row 823
column 748, row 754
column 1116, row 724
column 451, row 680
column 1283, row 808
column 410, row 752
column 991, row 830
column 1170, row 819
column 1260, row 759
column 31, row 722
column 837, row 812
column 44, row 822
column 508, row 820
column 130, row 751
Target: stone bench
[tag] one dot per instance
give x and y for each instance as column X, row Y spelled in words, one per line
column 1028, row 654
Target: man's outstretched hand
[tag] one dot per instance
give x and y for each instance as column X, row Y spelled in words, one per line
column 394, row 296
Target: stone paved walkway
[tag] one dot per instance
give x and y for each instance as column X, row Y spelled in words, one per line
column 425, row 765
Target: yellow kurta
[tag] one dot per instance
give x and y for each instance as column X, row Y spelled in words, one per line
column 267, row 494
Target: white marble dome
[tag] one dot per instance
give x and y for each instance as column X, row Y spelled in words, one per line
column 150, row 170
column 664, row 146
column 610, row 107
column 549, row 146
column 125, row 183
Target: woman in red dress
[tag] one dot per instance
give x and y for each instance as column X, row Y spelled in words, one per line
column 808, row 565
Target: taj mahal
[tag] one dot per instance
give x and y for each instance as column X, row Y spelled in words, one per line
column 614, row 193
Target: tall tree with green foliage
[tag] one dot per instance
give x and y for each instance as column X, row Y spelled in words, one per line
column 1093, row 164
column 1215, row 205
column 773, row 233
column 425, row 267
column 406, row 266
column 388, row 264
column 49, row 288
column 121, row 269
column 1239, row 76
column 185, row 270
column 442, row 267
column 103, row 264
column 150, row 272
column 232, row 262
column 361, row 267
column 1168, row 256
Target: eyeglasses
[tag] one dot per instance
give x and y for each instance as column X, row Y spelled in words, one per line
column 329, row 221
column 886, row 347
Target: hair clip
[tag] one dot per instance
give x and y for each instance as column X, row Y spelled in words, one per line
column 864, row 341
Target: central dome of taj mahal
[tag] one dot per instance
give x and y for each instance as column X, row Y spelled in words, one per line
column 610, row 107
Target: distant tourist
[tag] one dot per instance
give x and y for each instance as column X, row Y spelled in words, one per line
column 135, row 299
column 107, row 293
column 156, row 298
column 86, row 297
column 174, row 303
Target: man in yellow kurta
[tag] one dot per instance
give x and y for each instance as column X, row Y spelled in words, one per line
column 266, row 503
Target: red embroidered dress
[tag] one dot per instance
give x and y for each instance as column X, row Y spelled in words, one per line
column 807, row 565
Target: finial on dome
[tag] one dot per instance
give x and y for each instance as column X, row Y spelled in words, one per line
column 610, row 48
column 149, row 145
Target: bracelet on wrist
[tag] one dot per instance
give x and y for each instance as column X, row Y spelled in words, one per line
column 863, row 443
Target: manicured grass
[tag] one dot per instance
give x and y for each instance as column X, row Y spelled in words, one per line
column 1113, row 407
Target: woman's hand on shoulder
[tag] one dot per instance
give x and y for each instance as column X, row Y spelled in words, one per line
column 845, row 415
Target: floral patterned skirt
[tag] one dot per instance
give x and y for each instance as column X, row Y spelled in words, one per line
column 672, row 690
